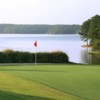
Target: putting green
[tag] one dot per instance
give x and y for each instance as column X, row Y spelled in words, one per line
column 50, row 82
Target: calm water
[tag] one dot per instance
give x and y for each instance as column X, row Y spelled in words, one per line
column 70, row 44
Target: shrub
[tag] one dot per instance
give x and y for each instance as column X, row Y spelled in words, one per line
column 10, row 56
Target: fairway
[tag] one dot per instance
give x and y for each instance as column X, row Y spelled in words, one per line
column 49, row 82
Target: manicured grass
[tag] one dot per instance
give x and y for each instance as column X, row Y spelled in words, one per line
column 50, row 82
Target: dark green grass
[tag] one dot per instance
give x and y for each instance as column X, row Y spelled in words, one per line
column 76, row 81
column 14, row 96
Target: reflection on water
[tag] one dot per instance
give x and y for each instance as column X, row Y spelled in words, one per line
column 87, row 58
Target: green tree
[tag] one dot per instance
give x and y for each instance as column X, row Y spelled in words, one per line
column 94, row 30
column 85, row 30
column 90, row 29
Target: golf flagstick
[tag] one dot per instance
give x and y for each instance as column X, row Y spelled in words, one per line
column 35, row 44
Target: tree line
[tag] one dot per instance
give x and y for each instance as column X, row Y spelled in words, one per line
column 90, row 30
column 39, row 29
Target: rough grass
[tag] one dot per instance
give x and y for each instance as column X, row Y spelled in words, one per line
column 50, row 82
column 95, row 52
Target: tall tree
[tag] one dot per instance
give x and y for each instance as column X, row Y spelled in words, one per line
column 95, row 32
column 95, row 27
column 85, row 30
column 90, row 29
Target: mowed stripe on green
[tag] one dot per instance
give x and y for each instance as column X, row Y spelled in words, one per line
column 82, row 81
column 16, row 88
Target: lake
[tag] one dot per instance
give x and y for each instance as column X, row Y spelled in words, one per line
column 70, row 44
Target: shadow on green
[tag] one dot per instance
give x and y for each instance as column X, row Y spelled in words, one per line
column 31, row 70
column 13, row 96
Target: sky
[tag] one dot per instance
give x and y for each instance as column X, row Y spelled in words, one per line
column 47, row 11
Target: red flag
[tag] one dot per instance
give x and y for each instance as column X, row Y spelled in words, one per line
column 35, row 43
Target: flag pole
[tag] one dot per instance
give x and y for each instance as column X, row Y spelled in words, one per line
column 35, row 58
column 35, row 44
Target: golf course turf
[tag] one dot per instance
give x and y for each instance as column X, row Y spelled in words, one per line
column 49, row 82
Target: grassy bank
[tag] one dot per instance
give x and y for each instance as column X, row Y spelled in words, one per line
column 95, row 52
column 50, row 82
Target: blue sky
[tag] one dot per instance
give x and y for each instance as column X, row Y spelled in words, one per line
column 47, row 11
